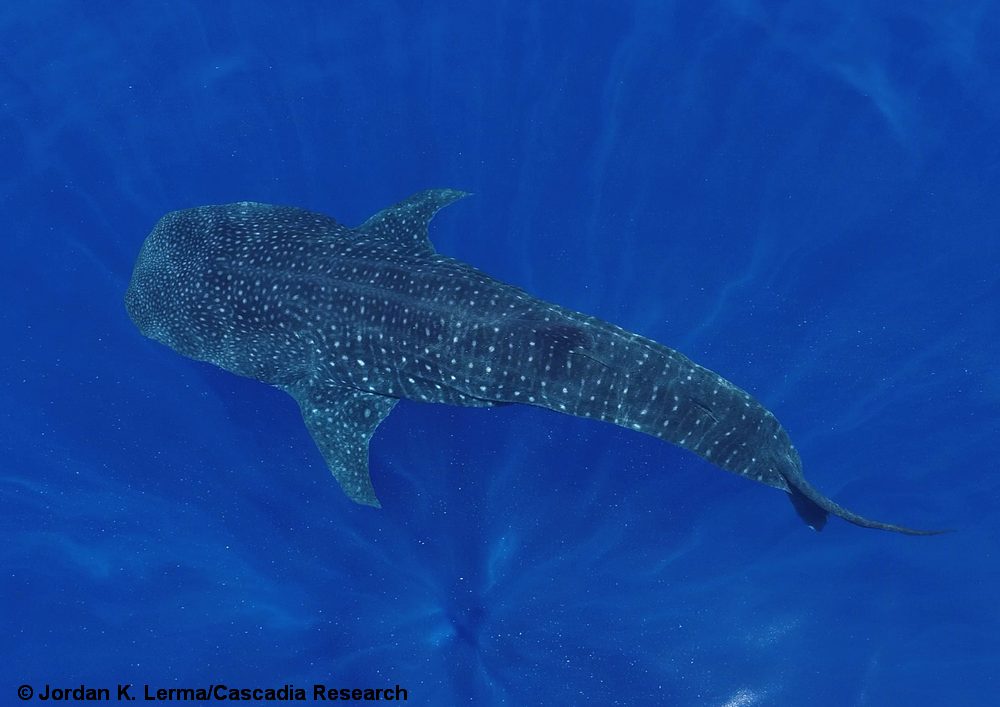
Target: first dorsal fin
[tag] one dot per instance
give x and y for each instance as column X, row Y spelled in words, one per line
column 405, row 223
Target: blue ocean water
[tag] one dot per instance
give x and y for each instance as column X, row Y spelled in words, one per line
column 800, row 195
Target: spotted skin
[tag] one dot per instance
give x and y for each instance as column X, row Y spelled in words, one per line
column 350, row 320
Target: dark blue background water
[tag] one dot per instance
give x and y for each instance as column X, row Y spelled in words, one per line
column 799, row 195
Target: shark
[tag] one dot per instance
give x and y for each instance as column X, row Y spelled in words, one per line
column 350, row 320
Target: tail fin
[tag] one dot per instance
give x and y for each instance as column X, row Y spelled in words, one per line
column 813, row 514
column 812, row 507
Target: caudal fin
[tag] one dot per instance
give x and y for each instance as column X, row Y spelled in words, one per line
column 812, row 507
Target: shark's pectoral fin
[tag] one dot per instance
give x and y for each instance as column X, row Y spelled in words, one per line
column 341, row 421
column 405, row 223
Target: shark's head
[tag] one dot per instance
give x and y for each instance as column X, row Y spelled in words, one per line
column 146, row 297
column 158, row 295
column 196, row 284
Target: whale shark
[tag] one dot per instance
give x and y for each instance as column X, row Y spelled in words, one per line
column 348, row 321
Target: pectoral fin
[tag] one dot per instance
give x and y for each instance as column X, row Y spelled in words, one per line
column 405, row 223
column 341, row 421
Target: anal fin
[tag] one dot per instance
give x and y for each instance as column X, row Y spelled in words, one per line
column 341, row 421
